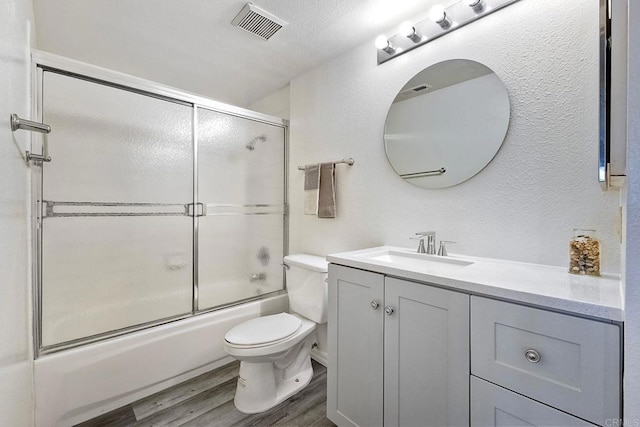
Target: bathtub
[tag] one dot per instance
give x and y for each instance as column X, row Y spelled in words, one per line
column 75, row 385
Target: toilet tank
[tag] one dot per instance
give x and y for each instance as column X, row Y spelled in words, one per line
column 307, row 286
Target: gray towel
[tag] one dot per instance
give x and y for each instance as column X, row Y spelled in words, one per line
column 311, row 185
column 327, row 191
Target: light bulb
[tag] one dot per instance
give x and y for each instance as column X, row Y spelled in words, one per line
column 437, row 14
column 407, row 29
column 382, row 42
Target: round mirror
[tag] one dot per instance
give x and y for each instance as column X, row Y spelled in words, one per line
column 446, row 124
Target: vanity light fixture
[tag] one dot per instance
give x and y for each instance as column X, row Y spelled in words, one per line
column 409, row 31
column 424, row 31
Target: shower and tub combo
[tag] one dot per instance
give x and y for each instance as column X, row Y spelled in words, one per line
column 159, row 224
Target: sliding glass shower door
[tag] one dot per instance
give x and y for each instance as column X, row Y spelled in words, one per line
column 152, row 209
column 116, row 242
column 241, row 185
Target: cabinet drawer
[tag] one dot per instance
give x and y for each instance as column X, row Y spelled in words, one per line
column 493, row 406
column 567, row 362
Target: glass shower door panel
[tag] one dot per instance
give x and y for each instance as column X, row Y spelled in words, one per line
column 107, row 273
column 239, row 257
column 116, row 245
column 241, row 182
column 113, row 145
column 240, row 161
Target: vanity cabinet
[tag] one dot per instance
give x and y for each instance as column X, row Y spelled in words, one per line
column 398, row 352
column 407, row 353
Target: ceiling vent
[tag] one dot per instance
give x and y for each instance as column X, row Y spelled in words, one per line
column 258, row 21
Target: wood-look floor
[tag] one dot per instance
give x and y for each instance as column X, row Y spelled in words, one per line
column 207, row 401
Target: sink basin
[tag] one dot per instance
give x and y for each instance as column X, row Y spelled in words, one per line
column 415, row 260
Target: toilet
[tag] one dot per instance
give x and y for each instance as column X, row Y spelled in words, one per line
column 275, row 351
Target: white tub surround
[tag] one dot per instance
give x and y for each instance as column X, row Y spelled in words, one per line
column 540, row 285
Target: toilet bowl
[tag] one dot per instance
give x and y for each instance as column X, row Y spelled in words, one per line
column 271, row 372
column 275, row 351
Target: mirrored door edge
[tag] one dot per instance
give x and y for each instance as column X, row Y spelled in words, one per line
column 604, row 132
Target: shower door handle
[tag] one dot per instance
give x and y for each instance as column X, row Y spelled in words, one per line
column 196, row 209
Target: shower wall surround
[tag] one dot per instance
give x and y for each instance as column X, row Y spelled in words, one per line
column 524, row 205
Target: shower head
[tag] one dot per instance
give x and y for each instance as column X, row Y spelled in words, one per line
column 251, row 145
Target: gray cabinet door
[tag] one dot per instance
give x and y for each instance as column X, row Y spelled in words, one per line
column 355, row 339
column 426, row 373
column 493, row 406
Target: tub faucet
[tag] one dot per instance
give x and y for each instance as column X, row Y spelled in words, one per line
column 258, row 277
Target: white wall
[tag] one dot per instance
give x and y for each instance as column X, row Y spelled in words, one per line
column 524, row 205
column 632, row 249
column 275, row 104
column 16, row 372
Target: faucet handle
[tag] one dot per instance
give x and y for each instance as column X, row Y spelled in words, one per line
column 420, row 239
column 426, row 233
column 442, row 250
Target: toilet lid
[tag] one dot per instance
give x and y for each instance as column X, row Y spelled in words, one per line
column 263, row 330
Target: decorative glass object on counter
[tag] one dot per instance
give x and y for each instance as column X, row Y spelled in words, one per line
column 584, row 253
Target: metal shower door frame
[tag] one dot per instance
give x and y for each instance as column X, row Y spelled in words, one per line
column 42, row 62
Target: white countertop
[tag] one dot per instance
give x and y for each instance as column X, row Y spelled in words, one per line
column 541, row 285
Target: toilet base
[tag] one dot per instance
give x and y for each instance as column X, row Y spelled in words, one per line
column 261, row 386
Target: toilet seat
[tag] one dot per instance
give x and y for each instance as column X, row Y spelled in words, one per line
column 263, row 330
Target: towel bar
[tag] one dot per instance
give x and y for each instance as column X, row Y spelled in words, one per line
column 348, row 161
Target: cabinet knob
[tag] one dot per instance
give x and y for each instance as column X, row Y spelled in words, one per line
column 389, row 310
column 532, row 356
column 375, row 305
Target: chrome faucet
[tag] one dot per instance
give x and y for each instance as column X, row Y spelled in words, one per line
column 431, row 242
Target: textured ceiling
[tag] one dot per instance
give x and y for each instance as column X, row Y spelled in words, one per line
column 191, row 44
